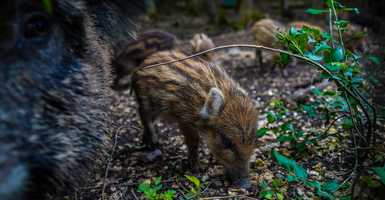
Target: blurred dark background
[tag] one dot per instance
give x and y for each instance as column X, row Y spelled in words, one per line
column 240, row 13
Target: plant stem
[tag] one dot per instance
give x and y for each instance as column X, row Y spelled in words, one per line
column 338, row 28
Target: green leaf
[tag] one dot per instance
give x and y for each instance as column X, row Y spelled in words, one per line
column 323, row 46
column 284, row 59
column 288, row 126
column 325, row 195
column 279, row 196
column 267, row 195
column 331, row 186
column 375, row 60
column 339, row 54
column 158, row 180
column 355, row 10
column 293, row 32
column 380, row 171
column 334, row 67
column 347, row 123
column 298, row 133
column 316, row 91
column 313, row 11
column 300, row 172
column 194, row 180
column 277, row 183
column 271, row 118
column 313, row 57
column 326, row 36
column 291, row 165
column 263, row 184
column 168, row 195
column 277, row 103
column 342, row 24
column 310, row 110
column 291, row 179
column 313, row 184
column 262, row 132
column 282, row 160
column 329, row 93
column 285, row 138
column 300, row 147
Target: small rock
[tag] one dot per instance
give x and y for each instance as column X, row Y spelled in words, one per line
column 234, row 52
column 150, row 157
column 299, row 191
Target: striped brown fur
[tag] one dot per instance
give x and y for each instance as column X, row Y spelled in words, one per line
column 204, row 101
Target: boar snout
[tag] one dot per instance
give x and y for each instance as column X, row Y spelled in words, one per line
column 238, row 177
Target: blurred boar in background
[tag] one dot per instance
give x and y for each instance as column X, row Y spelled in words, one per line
column 54, row 92
column 201, row 42
column 131, row 54
column 264, row 32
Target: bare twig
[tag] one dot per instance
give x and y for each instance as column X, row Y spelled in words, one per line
column 109, row 164
column 331, row 26
column 332, row 124
column 338, row 28
column 318, row 65
column 134, row 195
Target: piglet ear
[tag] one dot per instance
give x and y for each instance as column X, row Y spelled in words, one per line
column 213, row 105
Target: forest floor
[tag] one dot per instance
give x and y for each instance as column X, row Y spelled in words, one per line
column 326, row 160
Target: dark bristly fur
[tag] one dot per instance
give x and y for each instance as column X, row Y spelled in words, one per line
column 131, row 54
column 204, row 101
column 54, row 91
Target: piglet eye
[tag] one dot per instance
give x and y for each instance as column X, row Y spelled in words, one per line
column 226, row 142
column 37, row 26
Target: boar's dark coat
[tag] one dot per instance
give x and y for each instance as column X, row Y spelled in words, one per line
column 55, row 77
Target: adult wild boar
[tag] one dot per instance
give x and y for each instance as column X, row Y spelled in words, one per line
column 55, row 85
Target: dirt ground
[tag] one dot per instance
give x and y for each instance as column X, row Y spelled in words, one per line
column 126, row 168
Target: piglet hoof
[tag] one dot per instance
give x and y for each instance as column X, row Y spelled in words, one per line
column 153, row 155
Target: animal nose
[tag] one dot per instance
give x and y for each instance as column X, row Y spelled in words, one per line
column 242, row 183
column 12, row 178
column 238, row 177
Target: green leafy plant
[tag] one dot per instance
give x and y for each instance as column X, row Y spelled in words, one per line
column 152, row 189
column 299, row 174
column 282, row 125
column 273, row 192
column 380, row 172
column 350, row 103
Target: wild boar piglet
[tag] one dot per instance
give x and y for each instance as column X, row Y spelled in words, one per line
column 204, row 101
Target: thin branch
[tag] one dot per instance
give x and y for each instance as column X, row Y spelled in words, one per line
column 354, row 143
column 338, row 28
column 331, row 26
column 109, row 164
column 318, row 65
column 134, row 195
column 332, row 124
